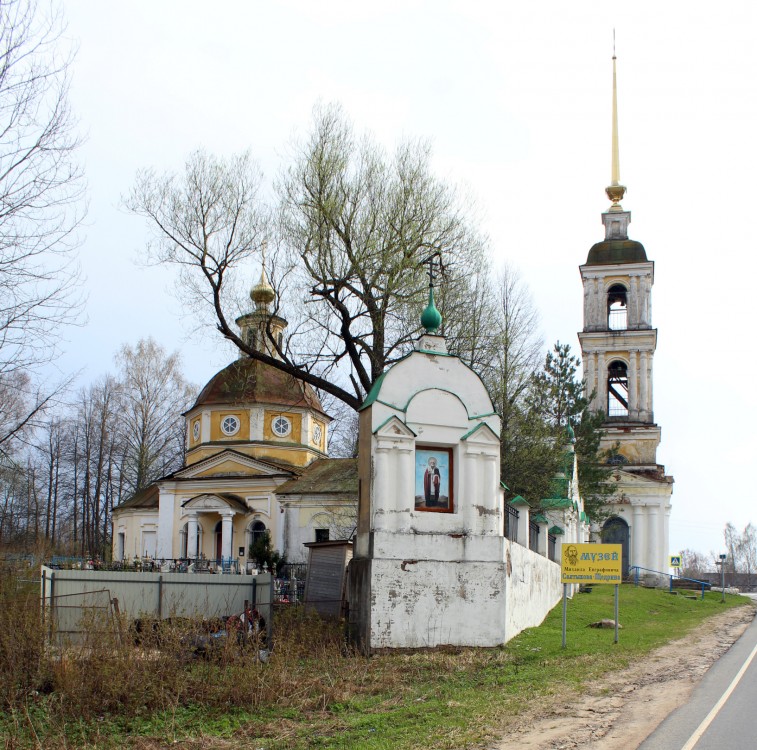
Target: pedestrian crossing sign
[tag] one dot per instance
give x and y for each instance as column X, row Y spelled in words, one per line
column 675, row 561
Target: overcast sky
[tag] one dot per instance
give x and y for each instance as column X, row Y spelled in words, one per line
column 516, row 99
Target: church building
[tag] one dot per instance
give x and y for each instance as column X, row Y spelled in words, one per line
column 256, row 461
column 618, row 343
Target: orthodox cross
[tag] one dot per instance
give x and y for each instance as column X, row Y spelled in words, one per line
column 434, row 260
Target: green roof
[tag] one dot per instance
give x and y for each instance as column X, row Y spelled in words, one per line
column 539, row 518
column 373, row 395
column 556, row 531
column 555, row 502
column 518, row 500
column 609, row 252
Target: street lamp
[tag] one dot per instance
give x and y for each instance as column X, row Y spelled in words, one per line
column 721, row 563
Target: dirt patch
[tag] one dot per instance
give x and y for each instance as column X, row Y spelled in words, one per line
column 619, row 712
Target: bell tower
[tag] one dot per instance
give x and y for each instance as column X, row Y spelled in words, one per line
column 618, row 344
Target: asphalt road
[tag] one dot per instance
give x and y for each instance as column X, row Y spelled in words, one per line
column 722, row 711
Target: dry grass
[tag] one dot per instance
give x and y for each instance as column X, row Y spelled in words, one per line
column 114, row 690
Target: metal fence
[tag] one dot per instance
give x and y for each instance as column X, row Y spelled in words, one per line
column 153, row 565
column 552, row 547
column 533, row 536
column 68, row 596
column 511, row 522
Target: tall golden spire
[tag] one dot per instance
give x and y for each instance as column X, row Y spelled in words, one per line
column 615, row 191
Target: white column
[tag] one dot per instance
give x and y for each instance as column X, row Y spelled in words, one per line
column 644, row 387
column 543, row 543
column 653, row 544
column 404, row 500
column 602, row 383
column 470, row 490
column 166, row 506
column 226, row 521
column 589, row 370
column 666, row 536
column 645, row 294
column 650, row 380
column 380, row 483
column 633, row 391
column 192, row 536
column 600, row 312
column 587, row 303
column 633, row 303
column 491, row 523
column 637, row 535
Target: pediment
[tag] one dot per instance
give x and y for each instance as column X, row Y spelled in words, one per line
column 230, row 463
column 209, row 502
column 394, row 427
column 481, row 433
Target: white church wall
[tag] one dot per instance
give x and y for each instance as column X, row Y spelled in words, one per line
column 532, row 589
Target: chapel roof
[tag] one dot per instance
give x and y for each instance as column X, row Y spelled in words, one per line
column 251, row 381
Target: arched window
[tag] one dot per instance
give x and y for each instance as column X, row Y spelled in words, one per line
column 256, row 530
column 617, row 389
column 617, row 308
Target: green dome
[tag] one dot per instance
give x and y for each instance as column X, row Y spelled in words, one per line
column 431, row 318
column 616, row 251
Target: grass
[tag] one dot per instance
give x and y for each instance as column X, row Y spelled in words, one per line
column 315, row 693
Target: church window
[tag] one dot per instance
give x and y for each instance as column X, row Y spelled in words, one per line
column 617, row 308
column 255, row 532
column 196, row 431
column 281, row 426
column 617, row 460
column 317, row 434
column 230, row 425
column 617, row 389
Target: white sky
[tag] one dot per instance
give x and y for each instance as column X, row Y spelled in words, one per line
column 516, row 99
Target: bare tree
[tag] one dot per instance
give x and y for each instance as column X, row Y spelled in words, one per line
column 41, row 189
column 749, row 552
column 353, row 228
column 154, row 394
column 40, row 184
column 518, row 351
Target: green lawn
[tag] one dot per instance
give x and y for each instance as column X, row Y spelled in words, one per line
column 311, row 695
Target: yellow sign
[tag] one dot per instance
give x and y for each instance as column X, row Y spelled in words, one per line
column 592, row 563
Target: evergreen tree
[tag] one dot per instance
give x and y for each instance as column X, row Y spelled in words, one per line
column 537, row 440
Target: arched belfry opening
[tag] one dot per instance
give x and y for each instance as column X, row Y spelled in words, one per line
column 617, row 308
column 617, row 389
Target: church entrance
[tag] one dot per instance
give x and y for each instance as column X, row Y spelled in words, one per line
column 615, row 531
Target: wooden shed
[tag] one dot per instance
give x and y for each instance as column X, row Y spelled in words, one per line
column 325, row 585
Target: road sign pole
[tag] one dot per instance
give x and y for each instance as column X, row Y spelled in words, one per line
column 564, row 614
column 616, row 612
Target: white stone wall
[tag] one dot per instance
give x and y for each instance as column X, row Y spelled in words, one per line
column 532, row 588
column 425, row 603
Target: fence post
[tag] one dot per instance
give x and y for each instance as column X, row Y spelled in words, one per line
column 160, row 596
column 52, row 603
column 42, row 602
